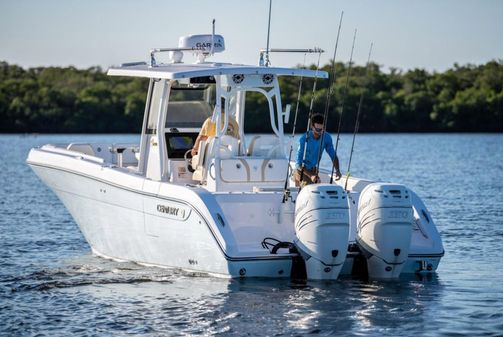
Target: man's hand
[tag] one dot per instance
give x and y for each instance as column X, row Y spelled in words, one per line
column 193, row 152
column 315, row 178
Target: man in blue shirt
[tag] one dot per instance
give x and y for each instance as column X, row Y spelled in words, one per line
column 309, row 160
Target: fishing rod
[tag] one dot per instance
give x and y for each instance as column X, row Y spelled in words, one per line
column 348, row 74
column 286, row 193
column 310, row 115
column 357, row 122
column 329, row 96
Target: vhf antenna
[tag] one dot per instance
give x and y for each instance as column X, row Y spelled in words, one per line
column 267, row 62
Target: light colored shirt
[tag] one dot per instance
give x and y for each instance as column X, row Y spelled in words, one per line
column 313, row 148
column 209, row 128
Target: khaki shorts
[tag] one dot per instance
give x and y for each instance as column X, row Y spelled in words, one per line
column 306, row 179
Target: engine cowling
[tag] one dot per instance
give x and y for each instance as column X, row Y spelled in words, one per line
column 384, row 228
column 322, row 229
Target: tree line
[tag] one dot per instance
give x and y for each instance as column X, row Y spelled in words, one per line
column 465, row 98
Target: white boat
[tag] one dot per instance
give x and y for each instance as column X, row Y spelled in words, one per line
column 142, row 202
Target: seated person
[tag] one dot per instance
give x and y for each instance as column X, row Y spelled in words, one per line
column 307, row 164
column 209, row 130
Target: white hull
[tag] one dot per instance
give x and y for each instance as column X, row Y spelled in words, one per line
column 124, row 216
column 122, row 222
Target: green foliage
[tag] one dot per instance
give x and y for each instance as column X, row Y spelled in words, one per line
column 69, row 100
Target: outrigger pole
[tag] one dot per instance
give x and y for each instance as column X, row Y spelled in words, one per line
column 329, row 96
column 348, row 74
column 357, row 122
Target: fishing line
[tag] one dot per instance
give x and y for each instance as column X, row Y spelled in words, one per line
column 357, row 122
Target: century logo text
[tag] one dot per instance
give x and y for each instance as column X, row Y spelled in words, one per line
column 168, row 210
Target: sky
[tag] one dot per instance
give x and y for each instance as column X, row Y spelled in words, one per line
column 427, row 34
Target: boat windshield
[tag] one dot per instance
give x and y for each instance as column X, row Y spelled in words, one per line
column 189, row 106
column 258, row 114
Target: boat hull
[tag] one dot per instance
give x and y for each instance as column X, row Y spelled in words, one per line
column 140, row 223
column 125, row 216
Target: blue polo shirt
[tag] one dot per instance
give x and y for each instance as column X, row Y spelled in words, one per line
column 313, row 146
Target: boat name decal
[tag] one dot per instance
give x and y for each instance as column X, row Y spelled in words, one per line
column 171, row 210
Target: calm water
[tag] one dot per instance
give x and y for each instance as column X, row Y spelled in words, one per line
column 51, row 285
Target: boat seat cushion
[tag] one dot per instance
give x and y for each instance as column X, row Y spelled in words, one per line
column 242, row 170
column 265, row 146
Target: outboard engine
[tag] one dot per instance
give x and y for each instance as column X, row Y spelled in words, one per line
column 322, row 229
column 384, row 228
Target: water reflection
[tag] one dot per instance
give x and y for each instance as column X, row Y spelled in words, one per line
column 126, row 297
column 404, row 304
column 343, row 306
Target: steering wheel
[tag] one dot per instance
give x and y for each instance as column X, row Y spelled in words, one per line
column 188, row 160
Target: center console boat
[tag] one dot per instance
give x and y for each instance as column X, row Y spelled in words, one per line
column 223, row 212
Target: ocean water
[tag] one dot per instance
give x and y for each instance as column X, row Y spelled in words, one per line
column 51, row 284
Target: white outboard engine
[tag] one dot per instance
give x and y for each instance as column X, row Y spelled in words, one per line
column 384, row 228
column 322, row 229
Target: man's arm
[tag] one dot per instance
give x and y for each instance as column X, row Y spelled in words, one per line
column 338, row 174
column 203, row 135
column 329, row 147
column 199, row 139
